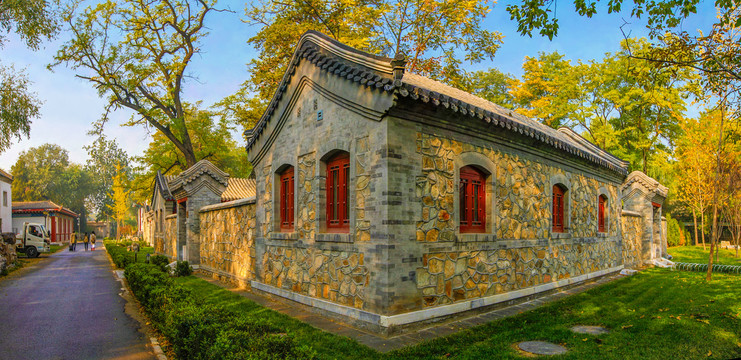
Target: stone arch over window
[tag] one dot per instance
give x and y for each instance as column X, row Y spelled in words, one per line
column 283, row 199
column 560, row 204
column 474, row 205
column 337, row 197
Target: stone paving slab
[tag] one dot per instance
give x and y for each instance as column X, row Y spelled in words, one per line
column 542, row 348
column 412, row 337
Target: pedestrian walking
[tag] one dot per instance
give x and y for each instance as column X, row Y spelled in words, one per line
column 85, row 240
column 73, row 242
column 92, row 240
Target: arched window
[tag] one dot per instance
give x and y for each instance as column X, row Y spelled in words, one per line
column 338, row 174
column 286, row 199
column 472, row 193
column 601, row 213
column 559, row 203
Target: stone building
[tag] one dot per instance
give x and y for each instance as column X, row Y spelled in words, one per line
column 172, row 222
column 387, row 199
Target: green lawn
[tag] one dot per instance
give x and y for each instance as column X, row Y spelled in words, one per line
column 655, row 314
column 695, row 254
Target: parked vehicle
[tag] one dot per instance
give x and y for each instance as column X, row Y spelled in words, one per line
column 32, row 240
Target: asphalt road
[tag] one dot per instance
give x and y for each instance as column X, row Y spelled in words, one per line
column 68, row 307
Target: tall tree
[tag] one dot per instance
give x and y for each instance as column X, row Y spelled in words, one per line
column 105, row 158
column 491, row 84
column 436, row 35
column 121, row 204
column 33, row 21
column 212, row 141
column 136, row 54
column 45, row 173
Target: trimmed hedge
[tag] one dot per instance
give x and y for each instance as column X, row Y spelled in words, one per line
column 205, row 332
column 122, row 257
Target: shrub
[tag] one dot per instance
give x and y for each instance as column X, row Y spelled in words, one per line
column 183, row 269
column 673, row 231
column 160, row 261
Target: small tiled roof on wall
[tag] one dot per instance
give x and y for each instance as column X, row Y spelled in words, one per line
column 387, row 75
column 28, row 207
column 238, row 188
column 4, row 176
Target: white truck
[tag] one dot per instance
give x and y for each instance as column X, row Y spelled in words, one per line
column 32, row 240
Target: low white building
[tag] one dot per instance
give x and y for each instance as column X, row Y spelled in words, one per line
column 6, row 202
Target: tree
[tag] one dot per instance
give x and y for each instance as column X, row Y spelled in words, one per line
column 32, row 21
column 105, row 159
column 136, row 54
column 436, row 35
column 491, row 84
column 121, row 205
column 625, row 105
column 694, row 168
column 45, row 173
column 537, row 15
column 18, row 105
column 211, row 140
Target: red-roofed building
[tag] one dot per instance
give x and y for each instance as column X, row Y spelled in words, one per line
column 59, row 220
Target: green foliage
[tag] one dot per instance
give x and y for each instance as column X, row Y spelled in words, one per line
column 161, row 261
column 142, row 52
column 536, row 15
column 104, row 157
column 212, row 140
column 122, row 257
column 436, row 36
column 674, row 231
column 18, row 105
column 44, row 172
column 198, row 331
column 182, row 268
column 32, row 20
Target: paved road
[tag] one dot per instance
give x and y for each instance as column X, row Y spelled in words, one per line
column 68, row 307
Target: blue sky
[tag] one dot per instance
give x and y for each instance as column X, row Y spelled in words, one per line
column 71, row 104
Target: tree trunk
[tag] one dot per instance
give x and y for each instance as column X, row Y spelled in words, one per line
column 702, row 229
column 645, row 164
column 694, row 217
column 716, row 190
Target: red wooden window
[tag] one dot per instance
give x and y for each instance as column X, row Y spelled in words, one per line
column 558, row 208
column 338, row 173
column 472, row 200
column 601, row 214
column 286, row 199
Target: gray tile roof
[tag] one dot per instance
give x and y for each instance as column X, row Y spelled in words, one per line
column 379, row 73
column 239, row 188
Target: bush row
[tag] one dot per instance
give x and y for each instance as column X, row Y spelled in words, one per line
column 122, row 257
column 198, row 331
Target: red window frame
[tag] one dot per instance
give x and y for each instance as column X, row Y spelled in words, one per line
column 286, row 199
column 338, row 174
column 558, row 208
column 602, row 200
column 472, row 193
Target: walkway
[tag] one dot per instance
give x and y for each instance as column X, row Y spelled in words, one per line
column 68, row 307
column 384, row 344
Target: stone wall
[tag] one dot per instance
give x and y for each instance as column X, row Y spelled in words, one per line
column 170, row 240
column 448, row 277
column 227, row 241
column 337, row 276
column 632, row 227
column 521, row 189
